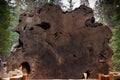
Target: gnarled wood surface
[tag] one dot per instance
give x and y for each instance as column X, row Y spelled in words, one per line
column 59, row 44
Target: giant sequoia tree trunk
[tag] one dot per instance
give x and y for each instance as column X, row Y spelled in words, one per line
column 59, row 44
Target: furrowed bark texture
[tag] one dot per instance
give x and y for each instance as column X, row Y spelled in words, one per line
column 58, row 44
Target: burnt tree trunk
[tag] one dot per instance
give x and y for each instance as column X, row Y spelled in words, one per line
column 58, row 44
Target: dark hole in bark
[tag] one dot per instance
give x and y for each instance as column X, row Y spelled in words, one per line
column 93, row 20
column 24, row 14
column 20, row 44
column 74, row 55
column 88, row 73
column 44, row 25
column 101, row 56
column 90, row 22
column 33, row 71
column 25, row 65
column 16, row 31
column 39, row 11
column 90, row 49
column 60, row 32
column 24, row 28
column 31, row 28
column 20, row 20
column 56, row 34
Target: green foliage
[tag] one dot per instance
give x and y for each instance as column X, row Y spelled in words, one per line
column 52, row 1
column 5, row 15
column 4, row 24
column 116, row 49
column 116, row 42
column 116, row 64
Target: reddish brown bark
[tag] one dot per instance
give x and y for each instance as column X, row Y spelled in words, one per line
column 59, row 44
